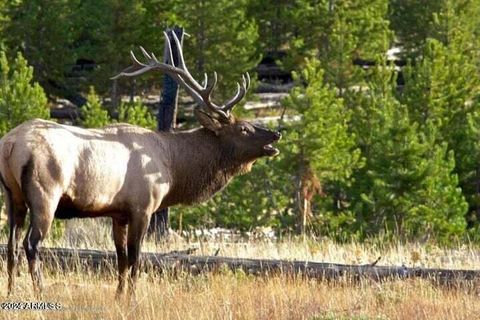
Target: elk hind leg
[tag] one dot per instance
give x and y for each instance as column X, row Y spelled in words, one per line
column 41, row 217
column 16, row 219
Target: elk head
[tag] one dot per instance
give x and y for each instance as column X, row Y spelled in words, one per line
column 243, row 139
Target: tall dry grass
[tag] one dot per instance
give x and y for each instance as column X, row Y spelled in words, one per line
column 97, row 234
column 235, row 296
column 228, row 295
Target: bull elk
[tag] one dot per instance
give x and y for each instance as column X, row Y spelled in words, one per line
column 123, row 171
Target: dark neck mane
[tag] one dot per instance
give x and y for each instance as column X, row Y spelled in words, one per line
column 200, row 166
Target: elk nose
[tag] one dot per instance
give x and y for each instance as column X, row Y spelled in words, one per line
column 278, row 135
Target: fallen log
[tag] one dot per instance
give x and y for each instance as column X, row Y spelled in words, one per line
column 105, row 261
column 64, row 113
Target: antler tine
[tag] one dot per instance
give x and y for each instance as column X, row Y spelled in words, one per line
column 181, row 64
column 136, row 69
column 169, row 49
column 179, row 74
column 206, row 94
column 134, row 58
column 248, row 80
column 145, row 53
column 205, row 80
column 201, row 93
column 241, row 91
column 235, row 99
column 181, row 60
column 206, row 90
column 210, row 87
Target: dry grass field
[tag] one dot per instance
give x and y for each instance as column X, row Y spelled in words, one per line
column 229, row 295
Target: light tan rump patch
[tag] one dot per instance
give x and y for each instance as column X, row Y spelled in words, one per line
column 7, row 149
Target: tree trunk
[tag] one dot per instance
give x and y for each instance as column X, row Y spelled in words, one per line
column 166, row 117
column 114, row 97
column 477, row 196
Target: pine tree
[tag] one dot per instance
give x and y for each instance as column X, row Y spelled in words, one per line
column 274, row 20
column 136, row 114
column 416, row 21
column 4, row 21
column 320, row 148
column 21, row 99
column 412, row 22
column 106, row 32
column 94, row 115
column 442, row 88
column 44, row 33
column 337, row 33
column 468, row 165
column 407, row 186
column 222, row 39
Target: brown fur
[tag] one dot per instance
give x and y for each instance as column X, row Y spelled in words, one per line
column 199, row 176
column 122, row 171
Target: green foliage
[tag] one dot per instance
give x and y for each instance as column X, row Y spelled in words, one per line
column 21, row 99
column 137, row 114
column 346, row 30
column 223, row 39
column 416, row 21
column 265, row 205
column 4, row 20
column 274, row 20
column 319, row 149
column 443, row 87
column 412, row 21
column 106, row 31
column 322, row 128
column 367, row 156
column 407, row 185
column 94, row 115
column 43, row 31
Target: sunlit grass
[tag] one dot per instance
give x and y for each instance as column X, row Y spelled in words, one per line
column 91, row 234
column 228, row 295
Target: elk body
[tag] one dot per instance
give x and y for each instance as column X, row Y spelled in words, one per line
column 122, row 171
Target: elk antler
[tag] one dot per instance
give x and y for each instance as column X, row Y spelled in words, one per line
column 200, row 93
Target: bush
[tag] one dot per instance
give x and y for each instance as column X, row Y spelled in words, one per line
column 21, row 99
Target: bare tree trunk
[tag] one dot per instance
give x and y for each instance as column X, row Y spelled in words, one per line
column 133, row 90
column 300, row 225
column 305, row 213
column 201, row 41
column 477, row 194
column 302, row 202
column 114, row 97
column 166, row 117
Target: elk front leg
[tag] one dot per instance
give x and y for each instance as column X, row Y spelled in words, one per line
column 136, row 232
column 120, row 239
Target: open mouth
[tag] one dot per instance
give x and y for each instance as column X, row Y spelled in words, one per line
column 270, row 150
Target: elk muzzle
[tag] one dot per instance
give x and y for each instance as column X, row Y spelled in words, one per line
column 269, row 149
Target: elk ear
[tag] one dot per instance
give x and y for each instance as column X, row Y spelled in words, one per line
column 207, row 120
